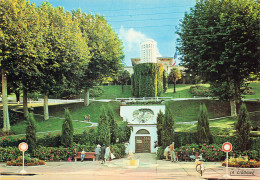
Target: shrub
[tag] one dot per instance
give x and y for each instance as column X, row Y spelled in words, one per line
column 27, row 161
column 204, row 135
column 9, row 153
column 53, row 153
column 243, row 128
column 118, row 150
column 160, row 152
column 31, row 132
column 200, row 91
column 67, row 130
column 147, row 80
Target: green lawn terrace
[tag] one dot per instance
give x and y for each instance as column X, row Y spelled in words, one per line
column 185, row 112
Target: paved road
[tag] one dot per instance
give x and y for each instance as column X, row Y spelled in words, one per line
column 149, row 168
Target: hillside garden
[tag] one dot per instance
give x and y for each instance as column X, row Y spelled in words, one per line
column 49, row 132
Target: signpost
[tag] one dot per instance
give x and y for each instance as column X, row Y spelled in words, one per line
column 227, row 147
column 23, row 147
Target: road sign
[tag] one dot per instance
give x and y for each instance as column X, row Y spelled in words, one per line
column 23, row 146
column 227, row 147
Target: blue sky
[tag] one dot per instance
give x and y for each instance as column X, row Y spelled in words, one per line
column 136, row 20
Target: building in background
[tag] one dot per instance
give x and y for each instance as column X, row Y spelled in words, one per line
column 149, row 54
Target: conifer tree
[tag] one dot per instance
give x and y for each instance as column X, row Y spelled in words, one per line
column 160, row 118
column 167, row 128
column 31, row 132
column 243, row 128
column 67, row 130
column 204, row 135
column 103, row 128
column 112, row 124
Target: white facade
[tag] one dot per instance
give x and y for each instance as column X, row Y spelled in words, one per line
column 142, row 119
column 148, row 51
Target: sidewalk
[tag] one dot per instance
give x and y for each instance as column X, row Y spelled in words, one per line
column 149, row 168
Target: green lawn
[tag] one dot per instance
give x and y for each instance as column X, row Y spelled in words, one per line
column 188, row 110
column 256, row 88
column 53, row 124
column 224, row 126
column 77, row 111
column 115, row 91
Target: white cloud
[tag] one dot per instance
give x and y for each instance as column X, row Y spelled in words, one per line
column 131, row 38
column 131, row 41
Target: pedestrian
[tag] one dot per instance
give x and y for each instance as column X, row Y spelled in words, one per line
column 97, row 152
column 103, row 151
column 75, row 152
column 83, row 154
column 173, row 158
column 166, row 153
column 108, row 152
column 86, row 118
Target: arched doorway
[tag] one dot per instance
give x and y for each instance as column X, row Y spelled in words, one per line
column 142, row 141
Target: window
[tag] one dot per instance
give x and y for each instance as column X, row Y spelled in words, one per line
column 142, row 131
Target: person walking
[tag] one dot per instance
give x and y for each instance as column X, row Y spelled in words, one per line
column 108, row 152
column 103, row 151
column 97, row 152
column 173, row 158
column 83, row 154
column 166, row 153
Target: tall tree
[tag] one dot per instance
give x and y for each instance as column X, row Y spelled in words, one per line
column 67, row 130
column 123, row 78
column 16, row 42
column 219, row 41
column 243, row 127
column 66, row 52
column 175, row 75
column 103, row 130
column 159, row 126
column 204, row 135
column 106, row 53
column 167, row 128
column 112, row 125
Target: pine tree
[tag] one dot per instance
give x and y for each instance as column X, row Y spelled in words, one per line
column 204, row 135
column 160, row 118
column 167, row 128
column 103, row 128
column 67, row 130
column 31, row 132
column 243, row 128
column 112, row 124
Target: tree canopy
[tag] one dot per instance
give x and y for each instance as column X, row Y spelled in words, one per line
column 219, row 40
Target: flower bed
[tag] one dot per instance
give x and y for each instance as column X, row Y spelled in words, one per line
column 27, row 161
column 211, row 152
column 242, row 162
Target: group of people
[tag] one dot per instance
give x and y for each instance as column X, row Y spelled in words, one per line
column 101, row 153
column 180, row 155
column 172, row 153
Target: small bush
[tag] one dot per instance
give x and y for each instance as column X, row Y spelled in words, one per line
column 27, row 161
column 160, row 153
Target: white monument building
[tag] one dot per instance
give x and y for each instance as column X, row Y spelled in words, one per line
column 143, row 119
column 149, row 51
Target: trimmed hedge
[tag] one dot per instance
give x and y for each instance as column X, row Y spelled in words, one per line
column 147, row 80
